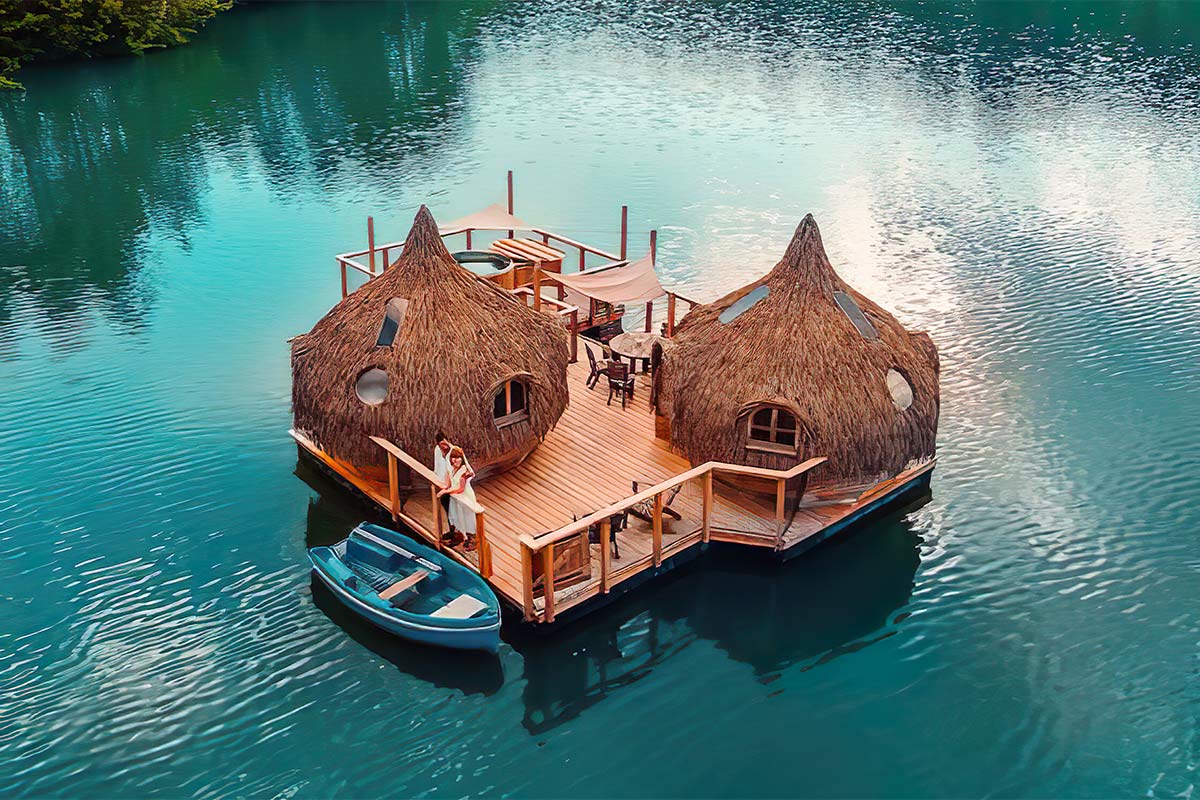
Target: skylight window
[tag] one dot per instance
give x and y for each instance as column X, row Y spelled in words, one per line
column 393, row 318
column 744, row 304
column 855, row 315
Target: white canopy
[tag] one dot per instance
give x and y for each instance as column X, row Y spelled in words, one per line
column 493, row 218
column 623, row 282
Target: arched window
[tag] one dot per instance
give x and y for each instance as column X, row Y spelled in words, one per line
column 772, row 429
column 372, row 386
column 511, row 403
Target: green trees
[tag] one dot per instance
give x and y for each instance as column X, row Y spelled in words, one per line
column 61, row 28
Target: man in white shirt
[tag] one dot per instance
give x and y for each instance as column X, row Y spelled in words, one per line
column 441, row 468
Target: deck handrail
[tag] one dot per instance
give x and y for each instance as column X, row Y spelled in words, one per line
column 422, row 470
column 587, row 248
column 564, row 308
column 538, row 542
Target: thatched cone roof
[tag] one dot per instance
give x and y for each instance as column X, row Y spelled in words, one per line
column 460, row 340
column 797, row 349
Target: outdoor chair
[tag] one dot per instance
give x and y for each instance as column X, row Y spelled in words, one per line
column 645, row 509
column 619, row 382
column 616, row 523
column 598, row 368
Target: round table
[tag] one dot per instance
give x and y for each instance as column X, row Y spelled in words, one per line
column 634, row 345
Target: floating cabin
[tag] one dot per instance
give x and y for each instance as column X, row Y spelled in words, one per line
column 774, row 417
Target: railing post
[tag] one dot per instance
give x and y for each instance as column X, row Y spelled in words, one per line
column 510, row 199
column 624, row 229
column 527, row 582
column 649, row 315
column 468, row 238
column 437, row 515
column 345, row 288
column 574, row 336
column 658, row 513
column 386, row 263
column 605, row 552
column 393, row 487
column 670, row 314
column 780, row 493
column 371, row 242
column 707, row 506
column 548, row 581
column 537, row 287
column 482, row 547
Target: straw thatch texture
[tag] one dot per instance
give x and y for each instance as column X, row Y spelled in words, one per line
column 460, row 340
column 798, row 350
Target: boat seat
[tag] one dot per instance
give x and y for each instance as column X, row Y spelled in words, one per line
column 400, row 586
column 461, row 607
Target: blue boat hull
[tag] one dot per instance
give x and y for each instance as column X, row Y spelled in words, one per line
column 483, row 638
column 374, row 558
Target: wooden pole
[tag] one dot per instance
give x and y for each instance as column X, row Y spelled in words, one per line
column 605, row 552
column 548, row 581
column 650, row 305
column 780, row 493
column 658, row 514
column 345, row 288
column 707, row 506
column 371, row 242
column 393, row 487
column 624, row 229
column 670, row 314
column 386, row 262
column 574, row 336
column 527, row 582
column 537, row 287
column 582, row 260
column 510, row 198
column 482, row 547
column 468, row 238
column 437, row 516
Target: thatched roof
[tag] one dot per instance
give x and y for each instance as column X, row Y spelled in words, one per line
column 461, row 338
column 797, row 349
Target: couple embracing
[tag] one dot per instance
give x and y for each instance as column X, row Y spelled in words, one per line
column 455, row 473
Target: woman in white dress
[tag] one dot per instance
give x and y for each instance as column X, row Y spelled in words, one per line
column 462, row 517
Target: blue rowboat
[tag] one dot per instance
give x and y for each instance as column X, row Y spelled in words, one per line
column 409, row 589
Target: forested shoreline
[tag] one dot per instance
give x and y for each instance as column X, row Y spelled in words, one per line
column 33, row 30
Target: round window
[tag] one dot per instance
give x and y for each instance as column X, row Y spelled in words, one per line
column 372, row 386
column 902, row 395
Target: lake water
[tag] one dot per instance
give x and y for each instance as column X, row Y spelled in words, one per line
column 1023, row 181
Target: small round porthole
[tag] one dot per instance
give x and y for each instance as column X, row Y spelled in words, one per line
column 372, row 386
column 898, row 387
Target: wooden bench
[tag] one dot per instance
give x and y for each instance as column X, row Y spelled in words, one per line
column 400, row 586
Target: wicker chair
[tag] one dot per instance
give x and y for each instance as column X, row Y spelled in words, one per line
column 619, row 382
column 598, row 368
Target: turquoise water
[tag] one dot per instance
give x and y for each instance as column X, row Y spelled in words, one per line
column 1023, row 181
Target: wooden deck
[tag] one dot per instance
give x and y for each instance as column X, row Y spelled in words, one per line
column 588, row 462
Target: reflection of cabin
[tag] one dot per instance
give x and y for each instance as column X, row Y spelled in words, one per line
column 763, row 437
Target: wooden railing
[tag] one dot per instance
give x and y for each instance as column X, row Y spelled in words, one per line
column 541, row 547
column 583, row 249
column 397, row 456
column 386, row 252
column 567, row 312
column 673, row 299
